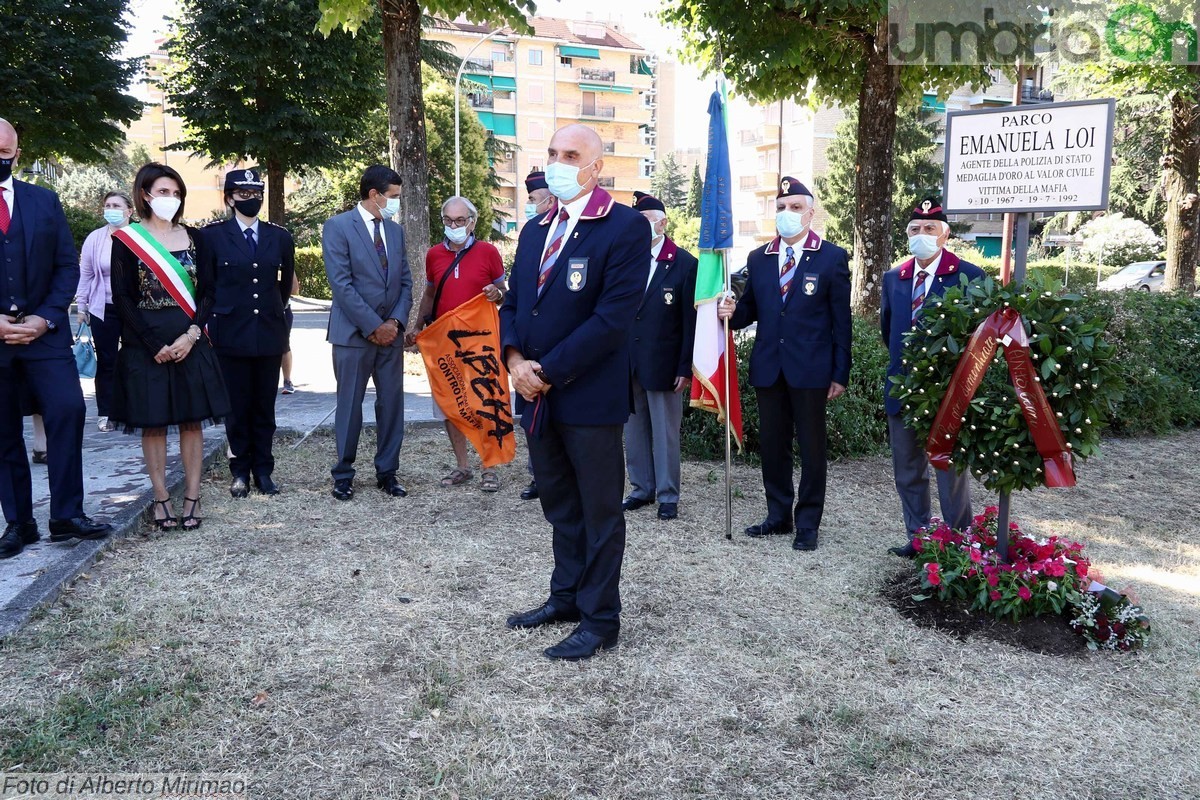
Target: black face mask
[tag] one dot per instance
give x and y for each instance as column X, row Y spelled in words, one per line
column 248, row 208
column 6, row 165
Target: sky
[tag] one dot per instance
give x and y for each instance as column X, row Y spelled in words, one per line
column 638, row 21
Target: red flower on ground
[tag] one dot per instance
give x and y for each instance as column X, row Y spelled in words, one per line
column 933, row 574
column 1024, row 593
column 976, row 556
column 994, row 594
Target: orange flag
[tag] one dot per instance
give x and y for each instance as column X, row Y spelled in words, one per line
column 461, row 350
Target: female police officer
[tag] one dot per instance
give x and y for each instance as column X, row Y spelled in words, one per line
column 253, row 263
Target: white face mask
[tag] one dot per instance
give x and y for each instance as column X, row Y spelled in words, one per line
column 165, row 207
column 456, row 235
column 789, row 223
column 563, row 180
column 923, row 245
column 654, row 234
column 531, row 210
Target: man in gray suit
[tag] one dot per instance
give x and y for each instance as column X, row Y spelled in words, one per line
column 372, row 294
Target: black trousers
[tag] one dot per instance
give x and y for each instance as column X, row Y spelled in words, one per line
column 785, row 413
column 580, row 473
column 250, row 426
column 54, row 384
column 106, row 335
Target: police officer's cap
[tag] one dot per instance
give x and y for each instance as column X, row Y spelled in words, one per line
column 789, row 186
column 535, row 180
column 929, row 208
column 647, row 202
column 248, row 179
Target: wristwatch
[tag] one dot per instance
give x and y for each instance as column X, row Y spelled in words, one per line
column 399, row 327
column 541, row 373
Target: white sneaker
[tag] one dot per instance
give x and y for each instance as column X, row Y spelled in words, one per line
column 103, row 424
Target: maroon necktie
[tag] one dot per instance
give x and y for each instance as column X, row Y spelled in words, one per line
column 551, row 256
column 5, row 219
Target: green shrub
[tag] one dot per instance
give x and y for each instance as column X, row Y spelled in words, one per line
column 310, row 270
column 856, row 422
column 82, row 221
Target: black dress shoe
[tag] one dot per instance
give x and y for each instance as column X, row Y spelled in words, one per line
column 391, row 486
column 81, row 527
column 806, row 539
column 265, row 485
column 530, row 492
column 580, row 645
column 668, row 510
column 907, row 551
column 239, row 487
column 343, row 489
column 16, row 536
column 545, row 614
column 634, row 503
column 768, row 528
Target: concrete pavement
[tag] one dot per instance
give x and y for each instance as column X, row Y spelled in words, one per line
column 115, row 484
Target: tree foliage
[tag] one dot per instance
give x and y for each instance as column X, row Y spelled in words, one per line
column 254, row 80
column 691, row 206
column 62, row 83
column 84, row 185
column 667, row 183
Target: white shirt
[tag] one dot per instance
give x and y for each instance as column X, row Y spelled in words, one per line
column 654, row 251
column 574, row 210
column 931, row 269
column 8, row 196
column 370, row 221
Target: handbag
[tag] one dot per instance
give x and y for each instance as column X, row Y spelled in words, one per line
column 85, row 352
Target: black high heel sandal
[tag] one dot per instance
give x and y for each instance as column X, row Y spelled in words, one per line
column 169, row 522
column 191, row 516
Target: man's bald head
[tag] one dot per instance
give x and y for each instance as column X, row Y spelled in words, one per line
column 9, row 146
column 579, row 146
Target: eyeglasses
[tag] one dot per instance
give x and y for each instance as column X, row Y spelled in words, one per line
column 456, row 222
column 245, row 194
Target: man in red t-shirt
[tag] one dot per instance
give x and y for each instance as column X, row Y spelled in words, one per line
column 477, row 268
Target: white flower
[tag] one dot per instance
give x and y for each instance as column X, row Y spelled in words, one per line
column 1052, row 586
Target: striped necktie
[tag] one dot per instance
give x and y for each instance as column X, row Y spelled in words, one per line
column 552, row 251
column 918, row 298
column 785, row 276
column 380, row 250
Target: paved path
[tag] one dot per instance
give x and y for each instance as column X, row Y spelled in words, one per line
column 116, row 487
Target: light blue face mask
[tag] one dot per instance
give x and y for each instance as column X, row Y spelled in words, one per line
column 531, row 210
column 563, row 180
column 114, row 216
column 391, row 208
column 923, row 245
column 789, row 223
column 456, row 235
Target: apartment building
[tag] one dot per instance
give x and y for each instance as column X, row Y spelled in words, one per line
column 524, row 87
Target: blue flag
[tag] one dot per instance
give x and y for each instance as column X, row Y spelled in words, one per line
column 716, row 203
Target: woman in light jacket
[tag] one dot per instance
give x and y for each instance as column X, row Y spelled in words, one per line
column 93, row 298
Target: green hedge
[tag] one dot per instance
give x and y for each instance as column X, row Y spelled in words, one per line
column 1157, row 337
column 310, row 269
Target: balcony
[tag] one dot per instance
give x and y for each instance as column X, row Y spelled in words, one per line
column 606, row 181
column 595, row 112
column 477, row 65
column 626, row 149
column 482, row 101
column 768, row 138
column 1032, row 95
column 767, row 180
column 505, row 105
column 596, row 75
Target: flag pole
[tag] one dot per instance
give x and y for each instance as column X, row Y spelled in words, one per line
column 728, row 429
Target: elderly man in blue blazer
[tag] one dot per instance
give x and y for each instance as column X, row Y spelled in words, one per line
column 372, row 295
column 798, row 291
column 905, row 289
column 579, row 275
column 39, row 270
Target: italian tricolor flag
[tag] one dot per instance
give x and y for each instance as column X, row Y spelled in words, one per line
column 166, row 267
column 714, row 347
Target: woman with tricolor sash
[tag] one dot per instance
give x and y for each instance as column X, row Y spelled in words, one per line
column 167, row 373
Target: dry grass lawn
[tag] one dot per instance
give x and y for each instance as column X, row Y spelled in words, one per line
column 358, row 650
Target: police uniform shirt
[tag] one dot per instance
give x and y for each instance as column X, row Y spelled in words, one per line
column 370, row 222
column 574, row 211
column 252, row 227
column 654, row 251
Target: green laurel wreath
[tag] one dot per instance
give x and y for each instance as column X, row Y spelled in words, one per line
column 1073, row 362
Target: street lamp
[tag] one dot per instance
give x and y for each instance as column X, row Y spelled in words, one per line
column 457, row 80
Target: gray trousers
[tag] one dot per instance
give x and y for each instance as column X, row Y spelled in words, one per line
column 352, row 366
column 652, row 444
column 911, row 468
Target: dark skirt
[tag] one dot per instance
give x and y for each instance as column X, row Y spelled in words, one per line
column 188, row 393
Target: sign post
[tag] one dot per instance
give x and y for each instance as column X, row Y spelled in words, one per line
column 1023, row 160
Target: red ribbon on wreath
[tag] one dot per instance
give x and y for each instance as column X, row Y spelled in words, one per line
column 1001, row 327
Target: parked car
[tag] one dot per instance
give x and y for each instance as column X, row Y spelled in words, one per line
column 1143, row 276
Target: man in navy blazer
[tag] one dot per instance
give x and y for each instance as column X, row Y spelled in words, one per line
column 39, row 270
column 371, row 283
column 798, row 290
column 661, row 340
column 579, row 275
column 905, row 289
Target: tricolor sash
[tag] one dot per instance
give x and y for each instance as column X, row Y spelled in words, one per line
column 166, row 267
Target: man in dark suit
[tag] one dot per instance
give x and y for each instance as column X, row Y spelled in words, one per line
column 798, row 290
column 372, row 295
column 39, row 271
column 660, row 349
column 579, row 275
column 905, row 289
column 252, row 263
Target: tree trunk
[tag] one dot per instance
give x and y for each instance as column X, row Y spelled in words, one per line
column 406, row 130
column 877, row 102
column 1181, row 176
column 275, row 180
